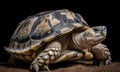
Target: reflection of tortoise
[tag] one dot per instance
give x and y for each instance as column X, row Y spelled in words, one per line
column 56, row 36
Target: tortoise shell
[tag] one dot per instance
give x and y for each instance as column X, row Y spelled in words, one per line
column 37, row 30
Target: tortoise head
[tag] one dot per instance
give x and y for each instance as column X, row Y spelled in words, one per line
column 96, row 34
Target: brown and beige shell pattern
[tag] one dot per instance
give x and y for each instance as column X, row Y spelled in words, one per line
column 37, row 30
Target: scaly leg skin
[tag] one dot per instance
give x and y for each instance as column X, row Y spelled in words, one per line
column 70, row 55
column 46, row 57
column 101, row 54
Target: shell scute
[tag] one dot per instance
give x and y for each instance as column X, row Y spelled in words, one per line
column 35, row 31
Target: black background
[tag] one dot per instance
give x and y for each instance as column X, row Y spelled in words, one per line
column 95, row 13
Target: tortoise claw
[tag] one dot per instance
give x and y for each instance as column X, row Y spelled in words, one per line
column 34, row 68
column 102, row 62
column 46, row 67
column 108, row 61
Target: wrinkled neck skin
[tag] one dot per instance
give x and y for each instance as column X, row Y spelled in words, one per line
column 80, row 41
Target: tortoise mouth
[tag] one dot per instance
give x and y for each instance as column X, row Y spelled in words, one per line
column 96, row 39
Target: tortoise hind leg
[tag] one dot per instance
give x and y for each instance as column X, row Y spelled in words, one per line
column 11, row 62
column 46, row 57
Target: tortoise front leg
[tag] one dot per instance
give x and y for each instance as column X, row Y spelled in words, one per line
column 46, row 57
column 102, row 55
column 70, row 55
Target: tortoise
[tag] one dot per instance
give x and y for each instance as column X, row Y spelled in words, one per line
column 55, row 36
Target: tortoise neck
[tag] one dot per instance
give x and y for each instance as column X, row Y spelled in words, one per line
column 80, row 41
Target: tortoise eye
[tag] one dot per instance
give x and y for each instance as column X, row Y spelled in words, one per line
column 95, row 29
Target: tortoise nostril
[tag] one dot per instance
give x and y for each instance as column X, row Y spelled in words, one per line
column 104, row 28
